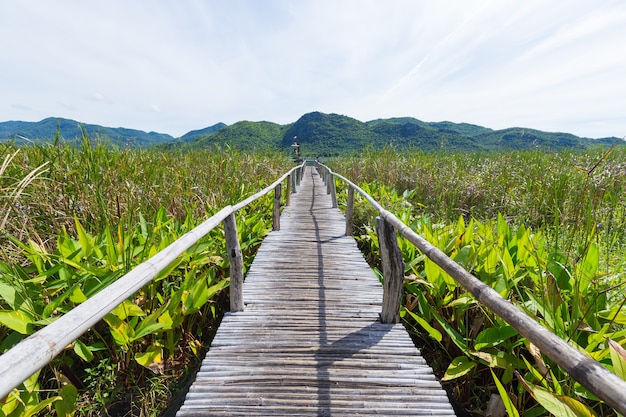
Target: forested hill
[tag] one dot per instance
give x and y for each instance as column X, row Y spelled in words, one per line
column 50, row 129
column 318, row 134
column 331, row 134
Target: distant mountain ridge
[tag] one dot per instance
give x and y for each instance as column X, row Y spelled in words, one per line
column 318, row 134
column 331, row 134
column 71, row 130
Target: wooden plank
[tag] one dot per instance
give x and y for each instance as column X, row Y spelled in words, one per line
column 310, row 340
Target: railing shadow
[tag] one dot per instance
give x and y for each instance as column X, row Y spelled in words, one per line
column 344, row 348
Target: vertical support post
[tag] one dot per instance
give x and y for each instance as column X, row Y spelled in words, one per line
column 236, row 263
column 349, row 211
column 329, row 178
column 393, row 271
column 298, row 176
column 294, row 181
column 288, row 191
column 276, row 215
column 333, row 191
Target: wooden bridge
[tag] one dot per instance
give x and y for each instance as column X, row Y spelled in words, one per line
column 310, row 340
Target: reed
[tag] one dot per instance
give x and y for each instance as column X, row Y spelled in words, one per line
column 544, row 230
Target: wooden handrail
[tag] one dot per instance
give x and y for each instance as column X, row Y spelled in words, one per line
column 588, row 372
column 37, row 350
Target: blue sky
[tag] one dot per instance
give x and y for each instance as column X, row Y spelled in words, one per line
column 176, row 66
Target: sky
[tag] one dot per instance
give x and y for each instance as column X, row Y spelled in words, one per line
column 176, row 66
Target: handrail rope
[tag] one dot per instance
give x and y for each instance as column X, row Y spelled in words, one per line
column 37, row 350
column 590, row 373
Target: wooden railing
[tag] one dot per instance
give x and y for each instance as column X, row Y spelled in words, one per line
column 37, row 350
column 588, row 372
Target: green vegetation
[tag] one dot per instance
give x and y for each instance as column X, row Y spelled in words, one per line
column 79, row 218
column 46, row 130
column 546, row 231
column 332, row 134
column 244, row 136
column 320, row 134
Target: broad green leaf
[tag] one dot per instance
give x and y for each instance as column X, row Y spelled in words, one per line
column 618, row 358
column 433, row 272
column 35, row 409
column 151, row 359
column 166, row 320
column 462, row 301
column 82, row 351
column 493, row 336
column 151, row 355
column 508, row 404
column 214, row 289
column 615, row 315
column 197, row 297
column 17, row 320
column 86, row 241
column 77, row 296
column 559, row 405
column 143, row 330
column 589, row 267
column 498, row 360
column 507, row 264
column 454, row 335
column 432, row 332
column 460, row 366
column 66, row 406
column 120, row 330
column 128, row 309
column 8, row 294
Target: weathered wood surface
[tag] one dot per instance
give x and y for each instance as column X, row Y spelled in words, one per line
column 310, row 341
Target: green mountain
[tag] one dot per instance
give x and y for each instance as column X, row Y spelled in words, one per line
column 331, row 134
column 195, row 134
column 46, row 130
column 70, row 130
column 319, row 134
column 245, row 135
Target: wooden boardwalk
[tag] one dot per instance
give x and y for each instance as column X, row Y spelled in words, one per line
column 310, row 341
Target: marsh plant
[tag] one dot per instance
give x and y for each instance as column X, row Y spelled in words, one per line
column 546, row 231
column 78, row 218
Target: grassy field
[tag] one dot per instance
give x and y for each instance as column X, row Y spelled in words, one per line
column 77, row 218
column 546, row 230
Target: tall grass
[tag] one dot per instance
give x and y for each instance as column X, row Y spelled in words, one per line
column 102, row 185
column 547, row 231
column 77, row 218
column 567, row 195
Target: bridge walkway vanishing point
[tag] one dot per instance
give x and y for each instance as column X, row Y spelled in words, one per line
column 310, row 341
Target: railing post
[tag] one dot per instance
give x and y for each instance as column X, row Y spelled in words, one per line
column 349, row 210
column 299, row 176
column 288, row 191
column 294, row 182
column 333, row 191
column 276, row 214
column 329, row 178
column 236, row 263
column 393, row 271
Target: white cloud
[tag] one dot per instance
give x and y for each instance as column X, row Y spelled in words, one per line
column 177, row 66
